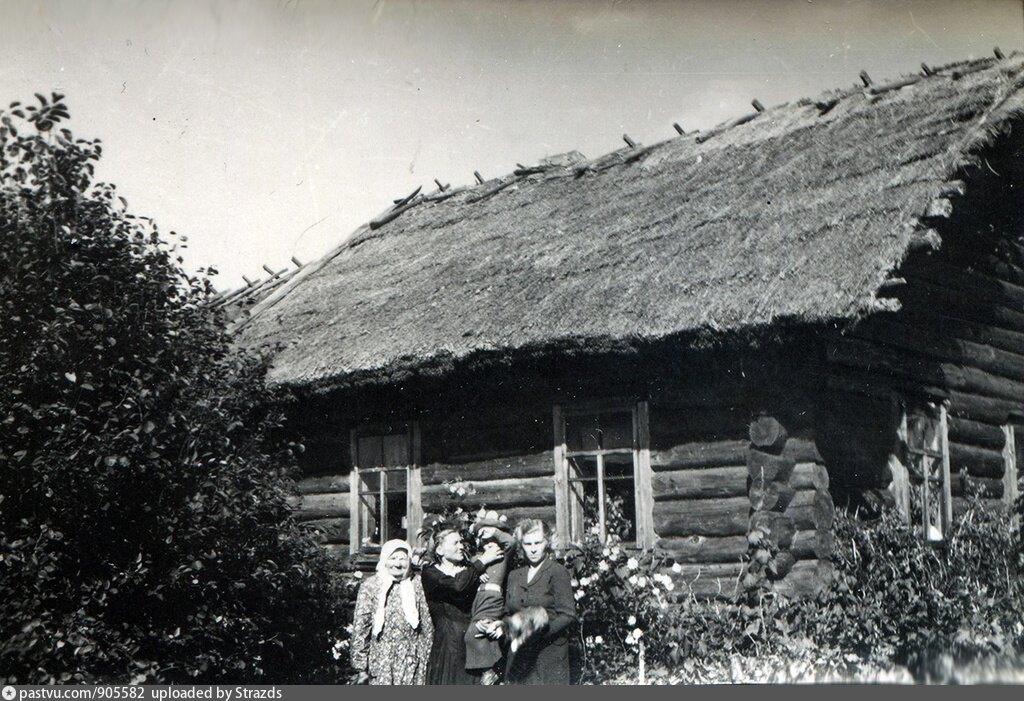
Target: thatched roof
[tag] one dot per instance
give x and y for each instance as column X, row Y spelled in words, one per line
column 796, row 214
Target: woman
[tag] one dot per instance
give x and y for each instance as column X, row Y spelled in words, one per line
column 392, row 630
column 541, row 611
column 450, row 585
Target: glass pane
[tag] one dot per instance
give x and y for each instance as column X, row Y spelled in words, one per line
column 383, row 521
column 581, row 432
column 396, row 450
column 923, row 432
column 396, row 480
column 582, row 468
column 369, row 451
column 616, row 430
column 620, row 497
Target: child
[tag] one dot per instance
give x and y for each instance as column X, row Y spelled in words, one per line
column 482, row 653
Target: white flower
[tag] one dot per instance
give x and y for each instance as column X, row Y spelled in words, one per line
column 632, row 563
column 630, row 640
column 641, row 581
column 637, row 633
column 573, row 583
column 603, row 566
column 461, row 491
column 598, row 640
column 357, row 575
column 595, row 529
column 632, row 579
column 579, row 594
column 677, row 568
column 631, row 621
column 606, row 552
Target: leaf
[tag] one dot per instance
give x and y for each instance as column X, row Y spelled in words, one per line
column 71, row 377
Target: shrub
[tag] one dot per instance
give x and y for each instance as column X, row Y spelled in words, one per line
column 898, row 609
column 144, row 531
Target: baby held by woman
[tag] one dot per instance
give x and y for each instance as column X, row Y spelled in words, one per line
column 483, row 653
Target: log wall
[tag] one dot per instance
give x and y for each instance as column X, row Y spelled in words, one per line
column 958, row 337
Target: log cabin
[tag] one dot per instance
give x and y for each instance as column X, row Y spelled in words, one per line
column 817, row 305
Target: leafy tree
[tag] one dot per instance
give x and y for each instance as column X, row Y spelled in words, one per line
column 144, row 530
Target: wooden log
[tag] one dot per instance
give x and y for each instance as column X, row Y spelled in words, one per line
column 923, row 297
column 814, row 544
column 982, row 409
column 770, row 496
column 768, row 434
column 764, row 467
column 802, row 449
column 969, row 432
column 779, row 527
column 709, row 483
column 707, row 581
column 338, row 550
column 974, row 282
column 781, row 564
column 993, row 360
column 809, row 475
column 521, row 513
column 811, row 510
column 700, row 455
column 963, row 484
column 945, row 321
column 316, row 506
column 323, row 484
column 497, row 494
column 875, row 357
column 702, row 549
column 534, row 465
column 991, row 506
column 807, row 578
column 707, row 517
column 978, row 462
column 329, row 530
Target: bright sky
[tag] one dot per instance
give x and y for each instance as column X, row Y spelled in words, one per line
column 265, row 130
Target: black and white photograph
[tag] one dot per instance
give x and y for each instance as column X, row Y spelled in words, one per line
column 495, row 342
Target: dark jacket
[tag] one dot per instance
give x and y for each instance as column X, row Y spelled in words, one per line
column 544, row 659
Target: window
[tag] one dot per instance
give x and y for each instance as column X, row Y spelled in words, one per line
column 928, row 503
column 385, row 496
column 602, row 472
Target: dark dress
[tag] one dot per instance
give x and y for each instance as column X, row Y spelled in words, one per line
column 544, row 659
column 450, row 600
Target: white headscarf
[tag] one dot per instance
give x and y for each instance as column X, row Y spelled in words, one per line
column 405, row 588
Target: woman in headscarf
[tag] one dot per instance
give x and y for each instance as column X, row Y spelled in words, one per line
column 392, row 630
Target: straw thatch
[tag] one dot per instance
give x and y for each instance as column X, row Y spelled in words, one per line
column 796, row 214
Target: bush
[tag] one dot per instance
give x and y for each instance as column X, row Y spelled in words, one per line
column 144, row 531
column 900, row 600
column 898, row 609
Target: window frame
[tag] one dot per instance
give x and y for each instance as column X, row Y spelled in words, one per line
column 358, row 511
column 568, row 512
column 905, row 486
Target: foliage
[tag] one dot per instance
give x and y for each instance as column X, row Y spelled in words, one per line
column 144, row 531
column 898, row 609
column 621, row 598
column 900, row 600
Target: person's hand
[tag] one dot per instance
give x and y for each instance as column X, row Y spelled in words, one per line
column 492, row 553
column 484, row 626
column 485, row 578
column 363, row 677
column 495, row 630
column 487, row 532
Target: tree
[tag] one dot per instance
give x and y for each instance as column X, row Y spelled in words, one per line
column 144, row 468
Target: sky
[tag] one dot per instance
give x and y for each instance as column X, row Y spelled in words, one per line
column 264, row 130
